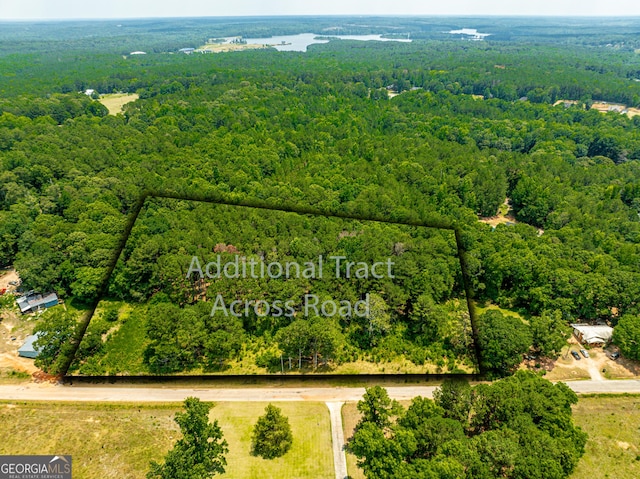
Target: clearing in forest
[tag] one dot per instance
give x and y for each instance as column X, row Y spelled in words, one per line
column 504, row 215
column 116, row 101
column 230, row 47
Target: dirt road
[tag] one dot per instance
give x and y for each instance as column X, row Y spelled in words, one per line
column 50, row 392
column 334, row 397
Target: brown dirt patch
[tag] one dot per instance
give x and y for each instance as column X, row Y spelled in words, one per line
column 7, row 277
column 631, row 112
column 504, row 215
column 11, row 361
column 230, row 47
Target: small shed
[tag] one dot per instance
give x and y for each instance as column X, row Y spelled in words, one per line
column 35, row 301
column 592, row 335
column 28, row 350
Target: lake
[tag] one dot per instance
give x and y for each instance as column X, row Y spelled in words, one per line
column 300, row 42
column 471, row 32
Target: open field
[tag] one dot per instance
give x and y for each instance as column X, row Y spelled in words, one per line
column 110, row 440
column 310, row 456
column 116, row 101
column 118, row 441
column 605, row 107
column 105, row 441
column 613, row 425
column 230, row 47
column 631, row 112
column 566, row 103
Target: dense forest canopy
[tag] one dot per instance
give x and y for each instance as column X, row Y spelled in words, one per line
column 438, row 129
column 520, row 427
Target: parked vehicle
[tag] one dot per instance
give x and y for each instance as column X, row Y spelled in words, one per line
column 615, row 356
column 584, row 352
column 575, row 355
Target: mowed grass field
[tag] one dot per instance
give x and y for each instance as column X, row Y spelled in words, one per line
column 116, row 101
column 611, row 421
column 118, row 441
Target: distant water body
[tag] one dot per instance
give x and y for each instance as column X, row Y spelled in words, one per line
column 470, row 32
column 300, row 42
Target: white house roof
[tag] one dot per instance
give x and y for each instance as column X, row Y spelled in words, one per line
column 594, row 333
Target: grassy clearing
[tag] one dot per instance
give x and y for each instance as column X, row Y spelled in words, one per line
column 613, row 425
column 11, row 376
column 483, row 308
column 116, row 441
column 116, row 101
column 350, row 417
column 310, row 456
column 105, row 441
column 611, row 421
column 123, row 351
column 399, row 365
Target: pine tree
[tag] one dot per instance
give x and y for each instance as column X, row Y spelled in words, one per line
column 272, row 435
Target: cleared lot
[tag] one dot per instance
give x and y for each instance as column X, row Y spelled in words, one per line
column 116, row 101
column 116, row 441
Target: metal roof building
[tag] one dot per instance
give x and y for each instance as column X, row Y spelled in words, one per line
column 27, row 350
column 592, row 334
column 34, row 302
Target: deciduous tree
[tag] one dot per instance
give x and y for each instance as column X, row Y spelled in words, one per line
column 200, row 453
